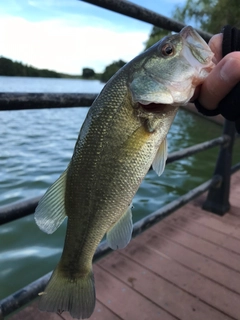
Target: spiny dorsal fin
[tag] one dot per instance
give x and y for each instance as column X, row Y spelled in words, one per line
column 160, row 158
column 50, row 211
column 121, row 233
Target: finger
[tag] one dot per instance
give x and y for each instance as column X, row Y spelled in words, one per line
column 220, row 81
column 196, row 93
column 215, row 45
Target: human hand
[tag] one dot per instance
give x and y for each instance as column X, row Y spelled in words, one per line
column 222, row 78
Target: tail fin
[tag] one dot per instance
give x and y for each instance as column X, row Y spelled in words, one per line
column 75, row 296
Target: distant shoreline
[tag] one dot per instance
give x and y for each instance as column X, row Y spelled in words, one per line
column 18, row 69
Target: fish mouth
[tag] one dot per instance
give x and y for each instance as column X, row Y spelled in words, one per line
column 197, row 45
column 156, row 107
column 189, row 34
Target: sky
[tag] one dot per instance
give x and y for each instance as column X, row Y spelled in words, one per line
column 68, row 35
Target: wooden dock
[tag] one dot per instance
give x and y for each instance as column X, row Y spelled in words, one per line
column 185, row 267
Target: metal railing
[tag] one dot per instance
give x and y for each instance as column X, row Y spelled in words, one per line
column 218, row 186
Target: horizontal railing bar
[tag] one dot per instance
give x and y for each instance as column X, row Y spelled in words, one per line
column 135, row 11
column 30, row 292
column 24, row 208
column 23, row 296
column 186, row 152
column 158, row 215
column 18, row 210
column 22, row 101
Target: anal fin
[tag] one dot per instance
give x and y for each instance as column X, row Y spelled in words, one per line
column 121, row 233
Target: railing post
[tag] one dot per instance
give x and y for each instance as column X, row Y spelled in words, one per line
column 218, row 196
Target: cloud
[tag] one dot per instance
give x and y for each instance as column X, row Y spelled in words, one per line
column 66, row 46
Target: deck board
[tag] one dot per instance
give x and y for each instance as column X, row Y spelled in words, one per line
column 122, row 297
column 221, row 239
column 207, row 267
column 201, row 246
column 187, row 267
column 164, row 293
column 186, row 279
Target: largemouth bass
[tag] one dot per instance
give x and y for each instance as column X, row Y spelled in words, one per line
column 123, row 134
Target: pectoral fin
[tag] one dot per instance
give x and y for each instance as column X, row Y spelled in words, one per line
column 50, row 211
column 121, row 233
column 160, row 158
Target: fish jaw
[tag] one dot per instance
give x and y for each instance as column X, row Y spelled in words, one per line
column 199, row 48
column 171, row 80
column 197, row 53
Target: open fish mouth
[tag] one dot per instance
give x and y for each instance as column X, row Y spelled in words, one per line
column 156, row 107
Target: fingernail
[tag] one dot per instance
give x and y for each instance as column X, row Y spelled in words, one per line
column 224, row 72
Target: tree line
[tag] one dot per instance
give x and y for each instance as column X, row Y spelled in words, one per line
column 12, row 68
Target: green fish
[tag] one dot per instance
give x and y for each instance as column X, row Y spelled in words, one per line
column 123, row 134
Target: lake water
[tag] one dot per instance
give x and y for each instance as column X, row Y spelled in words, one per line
column 35, row 147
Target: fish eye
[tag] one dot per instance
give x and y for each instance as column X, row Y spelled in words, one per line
column 167, row 49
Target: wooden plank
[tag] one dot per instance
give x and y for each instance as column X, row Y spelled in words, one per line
column 235, row 190
column 199, row 201
column 207, row 219
column 231, row 218
column 203, row 232
column 212, row 251
column 192, row 282
column 123, row 300
column 101, row 312
column 234, row 200
column 214, row 221
column 161, row 292
column 197, row 262
column 235, row 187
column 32, row 312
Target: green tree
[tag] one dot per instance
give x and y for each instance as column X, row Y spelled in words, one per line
column 209, row 15
column 111, row 69
column 156, row 34
column 6, row 67
column 14, row 68
column 88, row 73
